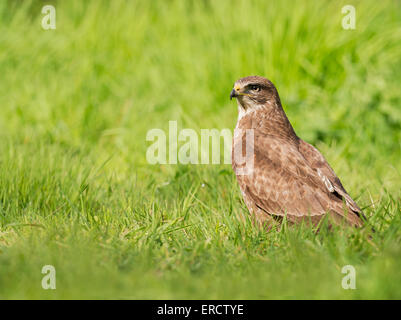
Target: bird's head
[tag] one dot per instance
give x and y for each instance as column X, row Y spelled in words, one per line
column 253, row 92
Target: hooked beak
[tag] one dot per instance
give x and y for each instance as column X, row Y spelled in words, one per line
column 235, row 92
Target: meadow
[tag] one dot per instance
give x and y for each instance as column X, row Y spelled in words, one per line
column 76, row 191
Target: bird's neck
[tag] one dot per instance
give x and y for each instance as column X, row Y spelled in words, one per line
column 269, row 119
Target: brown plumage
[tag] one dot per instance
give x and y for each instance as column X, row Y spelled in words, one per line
column 289, row 177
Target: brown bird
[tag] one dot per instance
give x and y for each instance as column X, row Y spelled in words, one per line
column 282, row 175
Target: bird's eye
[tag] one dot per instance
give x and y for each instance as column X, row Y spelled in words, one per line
column 254, row 87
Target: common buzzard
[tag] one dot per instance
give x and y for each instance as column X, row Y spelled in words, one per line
column 288, row 176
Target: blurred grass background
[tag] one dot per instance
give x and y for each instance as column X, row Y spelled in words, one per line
column 76, row 104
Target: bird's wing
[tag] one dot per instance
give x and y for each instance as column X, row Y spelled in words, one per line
column 283, row 183
column 327, row 174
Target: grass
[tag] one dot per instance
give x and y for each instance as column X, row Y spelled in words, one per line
column 76, row 191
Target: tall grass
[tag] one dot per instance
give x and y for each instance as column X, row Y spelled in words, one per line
column 77, row 192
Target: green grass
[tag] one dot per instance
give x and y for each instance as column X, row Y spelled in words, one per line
column 76, row 191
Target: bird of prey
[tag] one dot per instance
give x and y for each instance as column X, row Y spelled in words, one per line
column 288, row 177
